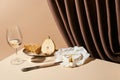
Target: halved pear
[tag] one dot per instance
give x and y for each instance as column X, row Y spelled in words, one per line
column 48, row 46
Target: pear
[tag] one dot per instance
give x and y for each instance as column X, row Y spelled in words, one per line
column 48, row 46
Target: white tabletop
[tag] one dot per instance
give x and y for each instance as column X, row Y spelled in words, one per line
column 93, row 70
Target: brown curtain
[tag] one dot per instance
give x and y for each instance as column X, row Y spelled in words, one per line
column 94, row 24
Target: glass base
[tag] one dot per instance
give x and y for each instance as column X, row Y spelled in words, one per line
column 17, row 61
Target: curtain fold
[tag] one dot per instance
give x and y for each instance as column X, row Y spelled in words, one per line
column 94, row 24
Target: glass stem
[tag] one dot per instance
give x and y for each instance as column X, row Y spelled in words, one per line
column 16, row 51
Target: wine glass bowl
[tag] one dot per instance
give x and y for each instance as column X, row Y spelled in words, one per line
column 14, row 39
column 15, row 43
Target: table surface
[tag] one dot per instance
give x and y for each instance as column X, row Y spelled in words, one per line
column 93, row 70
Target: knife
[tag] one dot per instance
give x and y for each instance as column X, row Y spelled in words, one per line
column 40, row 66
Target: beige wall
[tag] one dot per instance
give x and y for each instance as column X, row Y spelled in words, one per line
column 35, row 20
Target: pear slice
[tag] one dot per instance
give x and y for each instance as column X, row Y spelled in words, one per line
column 48, row 46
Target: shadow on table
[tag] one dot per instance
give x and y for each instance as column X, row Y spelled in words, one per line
column 89, row 60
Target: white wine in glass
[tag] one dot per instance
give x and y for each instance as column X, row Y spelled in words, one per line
column 14, row 39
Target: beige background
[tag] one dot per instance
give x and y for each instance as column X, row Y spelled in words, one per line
column 35, row 20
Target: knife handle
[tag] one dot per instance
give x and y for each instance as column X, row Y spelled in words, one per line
column 30, row 68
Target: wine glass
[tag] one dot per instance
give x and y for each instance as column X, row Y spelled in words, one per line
column 14, row 39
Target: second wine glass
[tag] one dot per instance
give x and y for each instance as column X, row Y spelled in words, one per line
column 14, row 39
